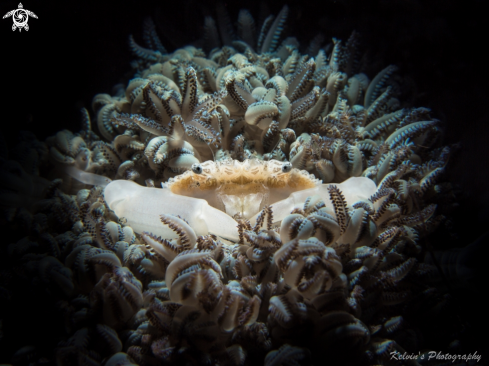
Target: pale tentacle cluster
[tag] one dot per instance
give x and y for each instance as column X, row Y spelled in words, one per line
column 300, row 271
column 323, row 280
column 330, row 279
column 318, row 112
column 82, row 154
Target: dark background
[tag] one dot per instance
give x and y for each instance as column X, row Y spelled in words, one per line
column 76, row 50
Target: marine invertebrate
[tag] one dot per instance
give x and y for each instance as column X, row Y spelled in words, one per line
column 243, row 254
column 219, row 190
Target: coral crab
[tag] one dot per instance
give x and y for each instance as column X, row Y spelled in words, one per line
column 212, row 194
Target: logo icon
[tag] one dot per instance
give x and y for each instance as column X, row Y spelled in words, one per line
column 20, row 17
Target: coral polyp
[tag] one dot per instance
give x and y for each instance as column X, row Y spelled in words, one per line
column 248, row 204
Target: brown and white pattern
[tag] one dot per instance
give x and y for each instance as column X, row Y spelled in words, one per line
column 286, row 230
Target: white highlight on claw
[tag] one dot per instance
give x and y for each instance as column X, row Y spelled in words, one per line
column 354, row 189
column 142, row 207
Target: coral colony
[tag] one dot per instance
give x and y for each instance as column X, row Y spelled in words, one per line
column 250, row 205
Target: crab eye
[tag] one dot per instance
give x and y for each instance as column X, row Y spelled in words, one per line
column 197, row 168
column 286, row 167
